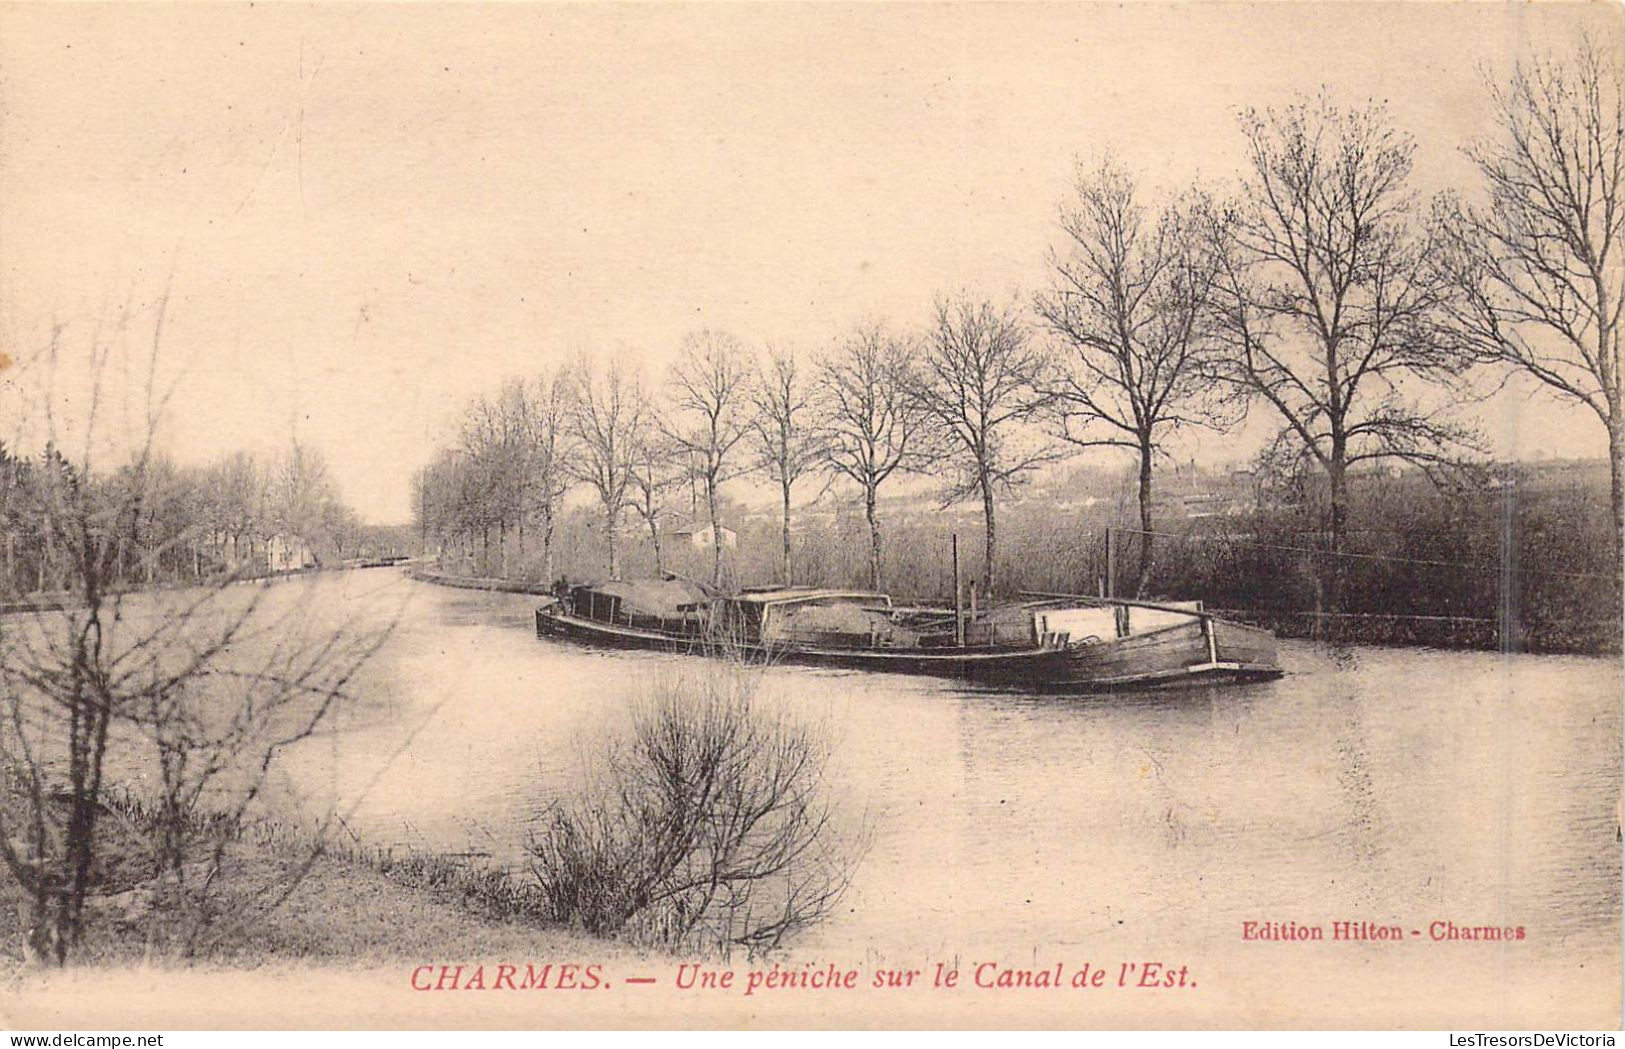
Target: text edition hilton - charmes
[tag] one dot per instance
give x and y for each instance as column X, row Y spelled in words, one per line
column 1367, row 931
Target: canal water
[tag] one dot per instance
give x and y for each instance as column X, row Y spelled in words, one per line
column 1393, row 786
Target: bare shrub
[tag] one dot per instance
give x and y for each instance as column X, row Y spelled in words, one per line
column 710, row 829
column 138, row 734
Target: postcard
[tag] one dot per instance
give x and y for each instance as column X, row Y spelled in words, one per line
column 811, row 515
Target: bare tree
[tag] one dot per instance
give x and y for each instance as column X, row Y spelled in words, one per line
column 870, row 419
column 210, row 695
column 549, row 450
column 1327, row 303
column 979, row 382
column 609, row 416
column 711, row 387
column 788, row 444
column 512, row 472
column 658, row 470
column 514, row 462
column 1539, row 266
column 1130, row 296
column 301, row 491
column 490, row 458
column 438, row 501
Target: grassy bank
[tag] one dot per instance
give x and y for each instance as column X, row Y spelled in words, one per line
column 282, row 896
column 708, row 830
column 470, row 582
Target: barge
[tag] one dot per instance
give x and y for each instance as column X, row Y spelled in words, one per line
column 1046, row 642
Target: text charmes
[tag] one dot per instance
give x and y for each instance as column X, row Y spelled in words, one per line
column 1369, row 932
column 547, row 976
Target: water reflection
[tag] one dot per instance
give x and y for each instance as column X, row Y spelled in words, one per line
column 1378, row 784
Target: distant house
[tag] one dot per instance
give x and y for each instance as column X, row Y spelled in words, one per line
column 285, row 552
column 700, row 536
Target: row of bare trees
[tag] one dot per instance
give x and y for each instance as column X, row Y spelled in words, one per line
column 1322, row 289
column 955, row 399
column 167, row 522
column 1325, row 290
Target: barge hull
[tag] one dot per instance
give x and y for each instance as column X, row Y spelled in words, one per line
column 1202, row 651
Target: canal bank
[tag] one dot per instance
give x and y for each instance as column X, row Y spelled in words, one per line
column 1586, row 637
column 492, row 584
column 284, row 895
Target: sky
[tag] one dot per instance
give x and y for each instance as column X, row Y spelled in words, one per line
column 358, row 217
